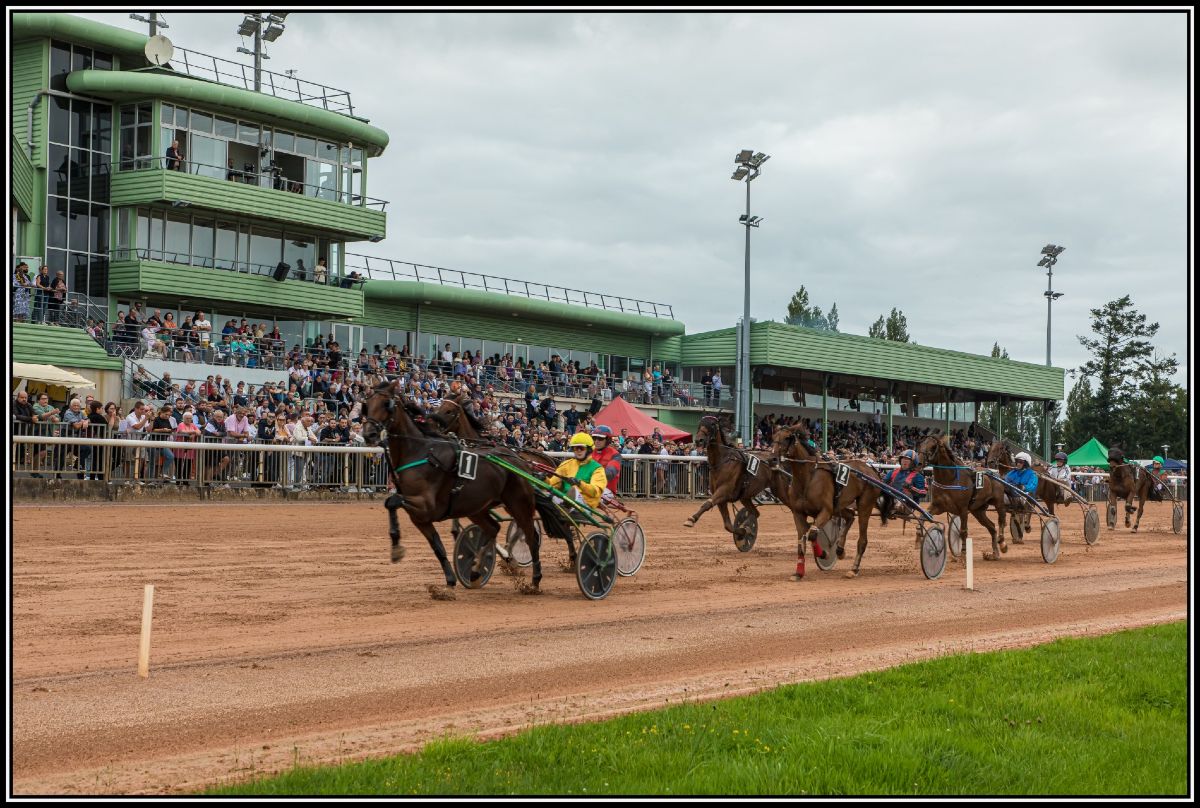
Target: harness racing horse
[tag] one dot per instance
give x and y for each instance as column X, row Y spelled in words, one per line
column 956, row 493
column 1126, row 481
column 424, row 470
column 1000, row 457
column 729, row 478
column 807, row 485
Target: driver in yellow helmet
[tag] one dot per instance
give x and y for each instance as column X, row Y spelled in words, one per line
column 581, row 471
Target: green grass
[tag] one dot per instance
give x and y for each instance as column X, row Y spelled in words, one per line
column 1106, row 715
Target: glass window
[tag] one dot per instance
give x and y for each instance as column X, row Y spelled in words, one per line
column 145, row 113
column 102, row 61
column 81, row 167
column 124, row 216
column 168, row 114
column 285, row 141
column 201, row 122
column 247, row 132
column 60, row 65
column 143, row 229
column 82, row 59
column 306, row 145
column 102, row 121
column 97, row 276
column 181, row 118
column 327, row 151
column 56, row 222
column 60, row 119
column 334, row 257
column 59, row 164
column 143, row 146
column 156, row 236
column 80, row 226
column 471, row 345
column 81, row 123
column 538, row 354
column 226, row 252
column 226, row 128
column 207, row 157
column 243, row 250
column 98, row 241
column 178, row 244
column 56, row 260
column 321, row 179
column 202, row 242
column 128, row 115
column 301, row 252
column 167, row 137
column 266, row 248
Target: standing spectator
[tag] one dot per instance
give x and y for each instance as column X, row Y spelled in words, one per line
column 162, row 429
column 75, row 424
column 24, row 419
column 716, row 388
column 22, row 288
column 89, row 456
column 132, row 428
column 706, row 381
column 174, row 157
column 298, row 430
column 188, row 432
column 58, row 294
column 214, row 430
column 203, row 332
column 320, row 271
column 41, row 293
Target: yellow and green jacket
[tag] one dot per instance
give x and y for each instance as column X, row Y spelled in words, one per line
column 589, row 470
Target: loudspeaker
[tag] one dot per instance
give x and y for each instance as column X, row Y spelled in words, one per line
column 282, row 270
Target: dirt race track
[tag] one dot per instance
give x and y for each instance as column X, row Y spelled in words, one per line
column 283, row 633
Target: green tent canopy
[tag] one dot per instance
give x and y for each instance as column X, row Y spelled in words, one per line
column 1091, row 453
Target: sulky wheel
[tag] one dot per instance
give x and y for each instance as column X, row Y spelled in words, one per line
column 1051, row 540
column 1091, row 525
column 954, row 535
column 518, row 549
column 596, row 570
column 933, row 552
column 745, row 530
column 1177, row 518
column 1112, row 515
column 826, row 540
column 474, row 557
column 630, row 544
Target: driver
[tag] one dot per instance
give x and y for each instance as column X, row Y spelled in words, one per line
column 1022, row 476
column 908, row 478
column 580, row 471
column 607, row 456
column 1060, row 471
column 1158, row 476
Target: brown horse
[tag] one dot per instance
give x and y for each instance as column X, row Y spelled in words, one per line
column 1125, row 481
column 1000, row 457
column 729, row 479
column 954, row 492
column 806, row 485
column 424, row 470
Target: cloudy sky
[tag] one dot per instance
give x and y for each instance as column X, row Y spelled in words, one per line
column 918, row 161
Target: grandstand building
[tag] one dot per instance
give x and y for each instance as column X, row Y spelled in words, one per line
column 262, row 213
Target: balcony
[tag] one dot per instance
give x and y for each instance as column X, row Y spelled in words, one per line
column 278, row 199
column 178, row 276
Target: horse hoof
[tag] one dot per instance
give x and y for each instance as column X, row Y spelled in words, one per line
column 690, row 523
column 441, row 593
column 988, row 556
column 1003, row 547
column 797, row 576
column 397, row 553
column 841, row 552
column 851, row 574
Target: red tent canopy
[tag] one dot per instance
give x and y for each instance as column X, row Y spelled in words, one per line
column 620, row 414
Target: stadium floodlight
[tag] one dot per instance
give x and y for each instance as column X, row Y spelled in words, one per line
column 749, row 163
column 272, row 33
column 1052, row 250
column 249, row 27
column 277, row 16
column 758, row 159
column 1050, row 253
column 743, row 157
column 740, row 173
column 1045, row 262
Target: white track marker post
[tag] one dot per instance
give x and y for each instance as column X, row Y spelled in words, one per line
column 970, row 565
column 147, row 615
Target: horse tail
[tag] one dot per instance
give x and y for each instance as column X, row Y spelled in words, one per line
column 886, row 507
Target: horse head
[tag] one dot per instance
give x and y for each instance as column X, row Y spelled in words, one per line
column 933, row 447
column 999, row 455
column 708, row 430
column 787, row 441
column 379, row 411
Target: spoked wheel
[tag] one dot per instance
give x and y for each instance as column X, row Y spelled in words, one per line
column 596, row 567
column 745, row 530
column 954, row 536
column 1177, row 518
column 1016, row 529
column 1051, row 540
column 518, row 549
column 826, row 539
column 1112, row 515
column 630, row 543
column 933, row 552
column 474, row 557
column 1091, row 525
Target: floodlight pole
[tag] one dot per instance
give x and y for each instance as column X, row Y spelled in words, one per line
column 1050, row 260
column 745, row 427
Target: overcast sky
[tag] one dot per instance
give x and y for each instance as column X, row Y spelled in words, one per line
column 918, row 161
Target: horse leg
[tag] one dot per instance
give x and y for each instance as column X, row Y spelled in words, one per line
column 1129, row 508
column 723, row 507
column 848, row 519
column 435, row 543
column 998, row 544
column 801, row 531
column 704, row 508
column 864, row 506
column 394, row 503
column 1141, row 507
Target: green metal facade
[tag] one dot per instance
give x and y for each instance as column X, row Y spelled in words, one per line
column 42, row 344
column 130, row 188
column 24, row 180
column 847, row 354
column 201, row 286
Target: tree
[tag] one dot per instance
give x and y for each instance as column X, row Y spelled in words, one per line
column 1157, row 415
column 1121, row 358
column 897, row 326
column 877, row 330
column 1073, row 427
column 801, row 313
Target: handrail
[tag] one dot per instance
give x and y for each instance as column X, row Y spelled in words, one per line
column 211, row 262
column 386, row 268
column 270, row 178
column 235, row 74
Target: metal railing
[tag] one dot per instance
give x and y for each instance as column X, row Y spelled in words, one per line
column 235, row 74
column 387, row 269
column 270, row 178
column 73, row 311
column 227, row 264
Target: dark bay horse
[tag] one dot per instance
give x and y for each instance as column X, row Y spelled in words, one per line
column 806, row 484
column 729, row 479
column 954, row 492
column 1125, row 481
column 424, row 470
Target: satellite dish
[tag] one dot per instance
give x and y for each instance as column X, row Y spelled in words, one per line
column 159, row 50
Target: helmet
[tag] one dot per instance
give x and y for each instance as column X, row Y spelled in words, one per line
column 1061, row 456
column 601, row 431
column 1158, row 459
column 1023, row 456
column 910, row 454
column 582, row 439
